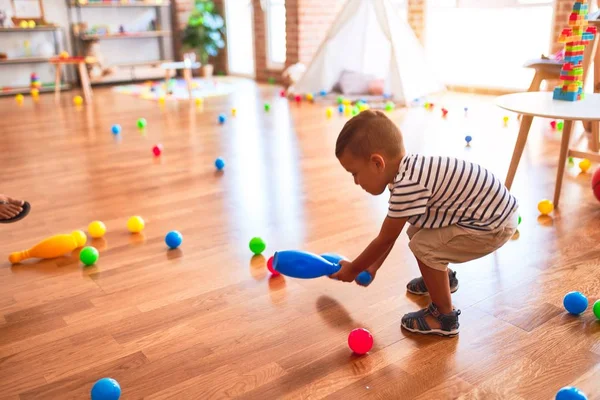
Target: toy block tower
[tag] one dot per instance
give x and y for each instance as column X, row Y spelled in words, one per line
column 575, row 37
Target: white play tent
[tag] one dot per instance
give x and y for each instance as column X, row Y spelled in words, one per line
column 370, row 37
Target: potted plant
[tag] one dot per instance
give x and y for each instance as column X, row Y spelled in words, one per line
column 204, row 33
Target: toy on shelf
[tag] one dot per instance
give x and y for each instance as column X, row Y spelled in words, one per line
column 575, row 38
column 35, row 81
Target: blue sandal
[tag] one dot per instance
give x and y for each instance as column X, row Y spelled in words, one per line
column 416, row 322
column 417, row 285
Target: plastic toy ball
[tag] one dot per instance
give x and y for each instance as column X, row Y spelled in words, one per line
column 444, row 112
column 545, row 207
column 389, row 105
column 505, row 119
column 596, row 184
column 199, row 101
column 173, row 239
column 89, row 255
column 106, row 389
column 570, row 393
column 267, row 107
column 116, row 129
column 64, row 54
column 426, row 105
column 157, row 150
column 97, row 229
column 298, row 98
column 162, row 99
column 323, row 93
column 329, row 112
column 257, row 245
column 35, row 93
column 80, row 237
column 23, row 24
column 19, row 98
column 78, row 100
column 553, row 124
column 282, row 93
column 222, row 118
column 575, row 302
column 270, row 267
column 584, row 165
column 220, row 163
column 355, row 111
column 141, row 123
column 135, row 224
column 31, row 24
column 468, row 139
column 341, row 108
column 596, row 309
column 310, row 97
column 360, row 341
column 340, row 100
column 560, row 125
column 233, row 112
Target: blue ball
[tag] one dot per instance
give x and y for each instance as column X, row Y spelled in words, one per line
column 364, row 278
column 575, row 302
column 468, row 139
column 323, row 92
column 116, row 129
column 220, row 163
column 173, row 239
column 106, row 389
column 341, row 108
column 222, row 118
column 570, row 393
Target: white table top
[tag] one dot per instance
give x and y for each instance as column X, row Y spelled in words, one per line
column 180, row 65
column 541, row 104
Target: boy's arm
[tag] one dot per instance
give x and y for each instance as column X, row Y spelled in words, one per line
column 375, row 251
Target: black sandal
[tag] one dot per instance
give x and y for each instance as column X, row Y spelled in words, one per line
column 416, row 322
column 26, row 208
column 417, row 286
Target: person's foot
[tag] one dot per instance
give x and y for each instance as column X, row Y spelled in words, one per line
column 11, row 209
column 417, row 285
column 429, row 321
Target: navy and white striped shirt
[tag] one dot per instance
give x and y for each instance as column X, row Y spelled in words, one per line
column 434, row 192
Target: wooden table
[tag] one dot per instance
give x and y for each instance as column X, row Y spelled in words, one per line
column 83, row 74
column 187, row 67
column 541, row 104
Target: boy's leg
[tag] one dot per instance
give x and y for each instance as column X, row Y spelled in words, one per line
column 438, row 284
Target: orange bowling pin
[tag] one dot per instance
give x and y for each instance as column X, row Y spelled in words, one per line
column 54, row 246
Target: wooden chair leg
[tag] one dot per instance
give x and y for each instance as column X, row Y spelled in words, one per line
column 519, row 146
column 562, row 160
column 85, row 83
column 595, row 137
column 536, row 83
column 187, row 75
column 57, row 83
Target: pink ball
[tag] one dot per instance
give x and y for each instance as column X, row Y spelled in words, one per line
column 360, row 341
column 270, row 267
column 157, row 150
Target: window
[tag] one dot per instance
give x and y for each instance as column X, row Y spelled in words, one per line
column 276, row 45
column 484, row 43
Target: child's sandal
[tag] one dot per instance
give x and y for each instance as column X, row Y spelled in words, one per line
column 416, row 322
column 417, row 286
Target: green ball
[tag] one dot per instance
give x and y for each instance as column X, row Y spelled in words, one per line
column 389, row 106
column 560, row 125
column 89, row 255
column 141, row 123
column 267, row 107
column 355, row 110
column 519, row 223
column 340, row 99
column 257, row 245
column 597, row 309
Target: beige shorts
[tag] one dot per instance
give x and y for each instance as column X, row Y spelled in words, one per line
column 454, row 244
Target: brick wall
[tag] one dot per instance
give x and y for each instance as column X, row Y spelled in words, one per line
column 416, row 17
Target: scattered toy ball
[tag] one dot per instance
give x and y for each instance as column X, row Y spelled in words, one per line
column 142, row 123
column 575, row 302
column 571, row 160
column 276, row 273
column 89, row 255
column 199, row 101
column 157, row 150
column 116, row 129
column 19, row 98
column 310, row 97
column 468, row 139
column 96, row 229
column 340, row 100
column 162, row 99
column 444, row 113
column 233, row 112
column 341, row 108
column 298, row 98
column 560, row 125
column 553, row 124
column 220, row 163
column 323, row 93
column 584, row 165
column 329, row 112
column 570, row 393
column 78, row 100
column 106, row 389
column 35, row 93
column 135, row 224
column 355, row 111
column 360, row 341
column 63, row 54
column 596, row 309
column 222, row 119
column 173, row 239
column 282, row 93
column 545, row 207
column 596, row 184
column 267, row 107
column 389, row 106
column 257, row 245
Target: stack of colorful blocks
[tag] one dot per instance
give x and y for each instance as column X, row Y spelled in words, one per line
column 35, row 81
column 576, row 37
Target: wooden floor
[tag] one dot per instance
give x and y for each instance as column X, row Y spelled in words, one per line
column 207, row 321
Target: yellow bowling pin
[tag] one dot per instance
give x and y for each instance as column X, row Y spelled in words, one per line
column 51, row 247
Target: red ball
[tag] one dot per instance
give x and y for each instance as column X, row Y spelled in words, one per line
column 360, row 341
column 596, row 184
column 553, row 124
column 282, row 93
column 157, row 150
column 298, row 98
column 270, row 267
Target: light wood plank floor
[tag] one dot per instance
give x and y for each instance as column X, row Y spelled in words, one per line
column 207, row 321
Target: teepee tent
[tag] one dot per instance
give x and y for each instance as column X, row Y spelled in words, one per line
column 370, row 37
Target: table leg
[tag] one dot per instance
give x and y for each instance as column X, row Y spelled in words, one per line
column 57, row 83
column 519, row 146
column 595, row 138
column 187, row 74
column 562, row 160
column 85, row 83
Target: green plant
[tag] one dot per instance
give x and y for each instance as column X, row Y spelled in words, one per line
column 204, row 31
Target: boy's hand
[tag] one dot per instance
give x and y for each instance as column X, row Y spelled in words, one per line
column 371, row 270
column 346, row 273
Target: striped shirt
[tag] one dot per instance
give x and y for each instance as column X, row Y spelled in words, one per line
column 434, row 192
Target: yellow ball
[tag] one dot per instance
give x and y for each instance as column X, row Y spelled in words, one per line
column 309, row 97
column 78, row 100
column 199, row 101
column 80, row 237
column 346, row 102
column 64, row 54
column 135, row 224
column 233, row 112
column 35, row 92
column 31, row 23
column 162, row 99
column 584, row 165
column 545, row 207
column 19, row 98
column 97, row 229
column 329, row 112
column 23, row 24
